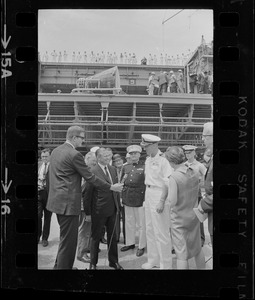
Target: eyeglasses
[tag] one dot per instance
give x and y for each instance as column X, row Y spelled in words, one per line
column 81, row 137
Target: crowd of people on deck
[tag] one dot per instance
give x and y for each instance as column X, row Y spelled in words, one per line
column 162, row 195
column 175, row 83
column 113, row 58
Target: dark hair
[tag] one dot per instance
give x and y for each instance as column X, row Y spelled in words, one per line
column 116, row 157
column 46, row 150
column 175, row 154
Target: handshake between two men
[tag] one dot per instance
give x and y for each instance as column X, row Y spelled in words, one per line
column 117, row 187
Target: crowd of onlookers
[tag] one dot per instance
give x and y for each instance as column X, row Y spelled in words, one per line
column 113, row 58
column 175, row 83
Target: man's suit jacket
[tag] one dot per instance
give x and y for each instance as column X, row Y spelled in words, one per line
column 99, row 202
column 207, row 201
column 67, row 167
column 162, row 78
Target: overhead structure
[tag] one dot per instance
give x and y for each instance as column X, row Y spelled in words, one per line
column 119, row 120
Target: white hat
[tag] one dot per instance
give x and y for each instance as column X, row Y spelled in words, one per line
column 94, row 149
column 189, row 148
column 171, row 71
column 148, row 139
column 134, row 148
column 180, row 70
column 208, row 128
column 152, row 73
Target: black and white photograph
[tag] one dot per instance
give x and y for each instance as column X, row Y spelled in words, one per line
column 125, row 139
column 127, row 145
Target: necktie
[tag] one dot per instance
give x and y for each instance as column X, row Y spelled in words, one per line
column 107, row 174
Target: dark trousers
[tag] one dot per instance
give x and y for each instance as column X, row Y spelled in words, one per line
column 155, row 91
column 173, row 87
column 68, row 241
column 122, row 217
column 98, row 222
column 202, row 231
column 84, row 233
column 162, row 88
column 43, row 213
column 192, row 87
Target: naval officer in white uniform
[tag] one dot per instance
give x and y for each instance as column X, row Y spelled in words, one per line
column 157, row 208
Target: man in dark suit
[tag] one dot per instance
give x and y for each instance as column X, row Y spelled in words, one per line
column 67, row 167
column 163, row 82
column 206, row 203
column 44, row 216
column 104, row 208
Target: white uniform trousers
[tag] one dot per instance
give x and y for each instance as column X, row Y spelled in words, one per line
column 134, row 216
column 159, row 245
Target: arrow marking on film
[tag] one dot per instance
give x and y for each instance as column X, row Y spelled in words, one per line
column 4, row 41
column 5, row 185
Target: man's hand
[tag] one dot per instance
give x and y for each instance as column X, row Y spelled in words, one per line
column 160, row 207
column 117, row 187
column 200, row 208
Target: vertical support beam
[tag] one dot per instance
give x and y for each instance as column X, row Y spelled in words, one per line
column 190, row 112
column 47, row 134
column 104, row 120
column 132, row 127
column 76, row 111
column 160, row 120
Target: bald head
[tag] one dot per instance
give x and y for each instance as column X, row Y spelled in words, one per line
column 208, row 128
column 207, row 135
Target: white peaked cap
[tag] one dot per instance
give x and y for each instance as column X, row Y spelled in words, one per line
column 189, row 147
column 149, row 139
column 134, row 148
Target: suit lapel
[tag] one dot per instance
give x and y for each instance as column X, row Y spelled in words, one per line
column 114, row 175
column 102, row 173
column 209, row 166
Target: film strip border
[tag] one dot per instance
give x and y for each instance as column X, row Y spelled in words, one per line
column 233, row 172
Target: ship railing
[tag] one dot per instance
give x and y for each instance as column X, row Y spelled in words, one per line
column 123, row 120
column 95, row 90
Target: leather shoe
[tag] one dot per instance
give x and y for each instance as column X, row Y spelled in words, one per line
column 92, row 267
column 45, row 243
column 148, row 266
column 140, row 252
column 103, row 240
column 116, row 266
column 126, row 248
column 84, row 259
